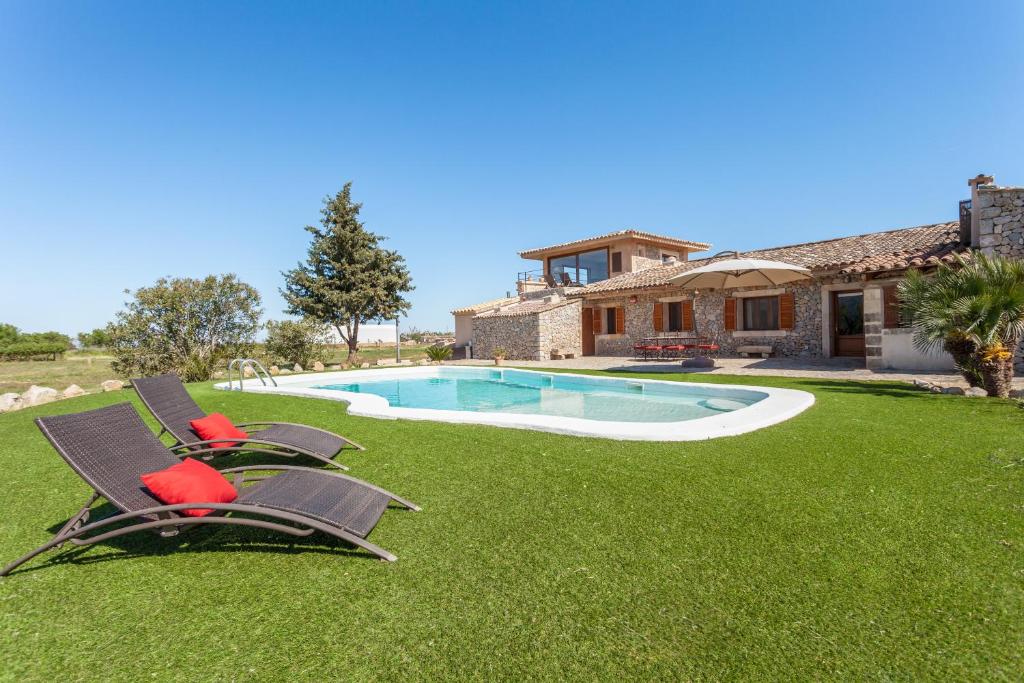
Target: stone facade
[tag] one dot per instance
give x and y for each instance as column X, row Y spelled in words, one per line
column 999, row 212
column 519, row 335
column 804, row 340
column 530, row 336
column 560, row 329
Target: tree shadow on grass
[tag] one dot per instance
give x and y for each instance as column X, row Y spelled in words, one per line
column 890, row 388
column 865, row 388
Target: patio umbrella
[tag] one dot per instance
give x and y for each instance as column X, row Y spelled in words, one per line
column 741, row 272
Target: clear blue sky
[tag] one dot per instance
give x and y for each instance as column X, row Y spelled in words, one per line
column 179, row 138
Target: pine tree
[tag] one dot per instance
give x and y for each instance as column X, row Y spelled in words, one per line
column 348, row 277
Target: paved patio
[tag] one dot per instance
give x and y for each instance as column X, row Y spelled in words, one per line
column 829, row 368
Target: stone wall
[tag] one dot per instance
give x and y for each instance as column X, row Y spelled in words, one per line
column 1000, row 215
column 530, row 336
column 519, row 335
column 560, row 328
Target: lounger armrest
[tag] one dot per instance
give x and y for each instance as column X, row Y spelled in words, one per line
column 296, row 424
column 242, row 445
column 249, row 468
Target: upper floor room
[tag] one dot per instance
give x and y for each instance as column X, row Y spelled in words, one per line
column 586, row 261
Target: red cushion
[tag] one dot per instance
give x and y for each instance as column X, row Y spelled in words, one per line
column 675, row 347
column 216, row 426
column 190, row 481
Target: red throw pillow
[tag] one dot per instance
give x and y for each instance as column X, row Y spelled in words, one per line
column 190, row 481
column 216, row 426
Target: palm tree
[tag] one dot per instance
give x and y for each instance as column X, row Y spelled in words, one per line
column 974, row 310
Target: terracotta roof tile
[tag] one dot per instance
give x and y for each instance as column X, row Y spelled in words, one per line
column 524, row 308
column 926, row 245
column 486, row 305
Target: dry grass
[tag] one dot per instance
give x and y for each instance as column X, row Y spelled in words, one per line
column 84, row 368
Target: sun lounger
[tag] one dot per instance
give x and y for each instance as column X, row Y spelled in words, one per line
column 111, row 448
column 172, row 406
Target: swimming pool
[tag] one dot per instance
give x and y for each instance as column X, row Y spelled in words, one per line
column 613, row 407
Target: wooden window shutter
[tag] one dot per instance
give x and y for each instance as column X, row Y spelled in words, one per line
column 688, row 315
column 616, row 261
column 597, row 321
column 890, row 307
column 620, row 320
column 659, row 317
column 787, row 313
column 730, row 314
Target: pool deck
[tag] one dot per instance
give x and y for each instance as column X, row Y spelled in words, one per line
column 831, row 368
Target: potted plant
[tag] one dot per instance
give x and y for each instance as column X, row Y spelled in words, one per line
column 499, row 356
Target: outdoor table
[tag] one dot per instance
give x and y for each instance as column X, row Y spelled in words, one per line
column 675, row 344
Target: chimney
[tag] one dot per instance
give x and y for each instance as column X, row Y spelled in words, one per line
column 969, row 232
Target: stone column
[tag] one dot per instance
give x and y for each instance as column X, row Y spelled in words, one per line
column 999, row 214
column 873, row 318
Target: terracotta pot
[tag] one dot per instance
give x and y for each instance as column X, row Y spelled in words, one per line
column 499, row 361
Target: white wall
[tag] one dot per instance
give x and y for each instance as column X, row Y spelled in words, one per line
column 369, row 334
column 463, row 329
column 898, row 353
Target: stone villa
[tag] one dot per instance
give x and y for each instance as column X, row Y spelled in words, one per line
column 601, row 295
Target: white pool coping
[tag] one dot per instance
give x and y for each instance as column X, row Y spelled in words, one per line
column 777, row 406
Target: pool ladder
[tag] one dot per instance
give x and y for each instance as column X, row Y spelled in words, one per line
column 257, row 369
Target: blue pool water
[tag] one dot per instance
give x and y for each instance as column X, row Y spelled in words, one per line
column 514, row 391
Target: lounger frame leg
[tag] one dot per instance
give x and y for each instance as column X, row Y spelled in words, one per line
column 311, row 525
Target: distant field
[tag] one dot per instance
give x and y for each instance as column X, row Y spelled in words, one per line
column 84, row 368
column 372, row 353
column 88, row 368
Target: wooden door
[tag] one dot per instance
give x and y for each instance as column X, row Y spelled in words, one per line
column 588, row 331
column 848, row 323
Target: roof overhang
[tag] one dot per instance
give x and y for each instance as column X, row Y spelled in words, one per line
column 541, row 253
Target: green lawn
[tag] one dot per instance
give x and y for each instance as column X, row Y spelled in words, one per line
column 876, row 536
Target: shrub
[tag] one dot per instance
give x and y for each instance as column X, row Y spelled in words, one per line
column 974, row 310
column 439, row 352
column 499, row 352
column 8, row 334
column 97, row 339
column 28, row 350
column 18, row 345
column 296, row 341
column 186, row 325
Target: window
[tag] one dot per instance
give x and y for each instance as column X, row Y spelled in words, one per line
column 675, row 316
column 617, row 262
column 893, row 317
column 580, row 269
column 761, row 313
column 609, row 326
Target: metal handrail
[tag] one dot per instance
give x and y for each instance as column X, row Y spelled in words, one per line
column 257, row 368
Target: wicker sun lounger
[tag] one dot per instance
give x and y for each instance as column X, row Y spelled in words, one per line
column 173, row 407
column 110, row 448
